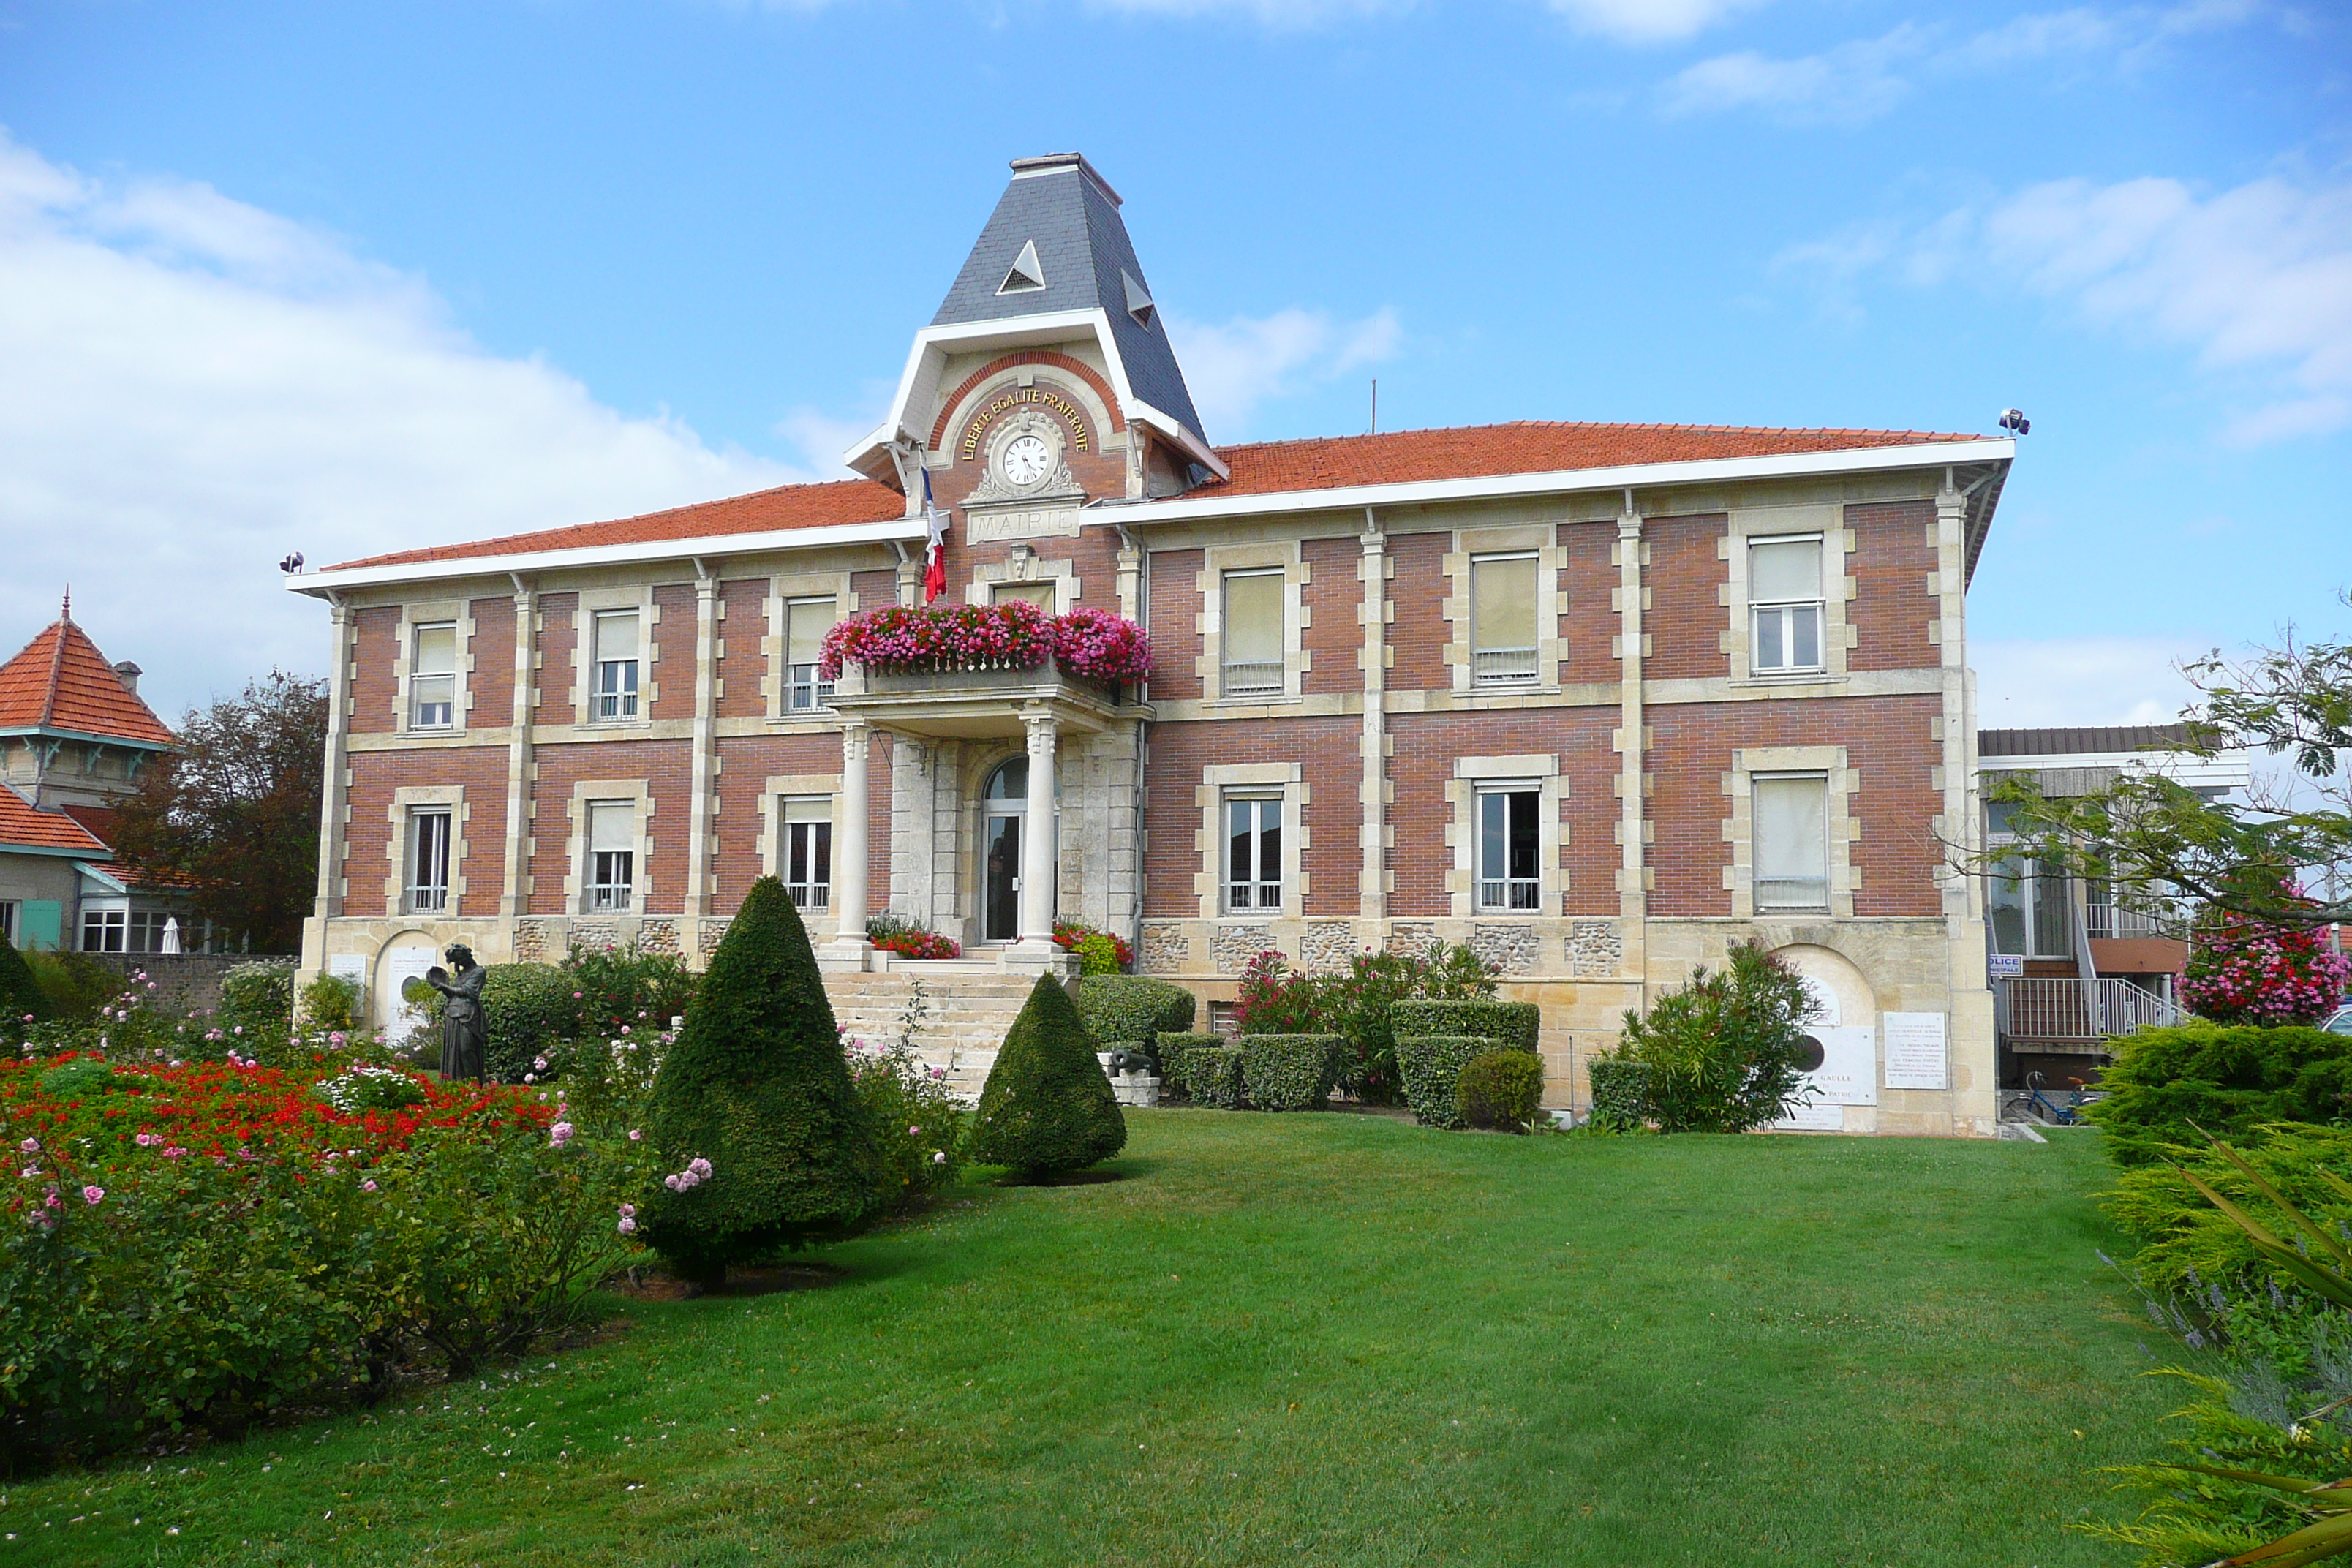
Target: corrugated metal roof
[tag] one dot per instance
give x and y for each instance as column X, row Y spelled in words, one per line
column 2088, row 741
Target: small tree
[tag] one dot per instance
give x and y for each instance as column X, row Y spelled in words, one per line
column 756, row 1085
column 2242, row 969
column 1047, row 1107
column 1722, row 1049
column 20, row 995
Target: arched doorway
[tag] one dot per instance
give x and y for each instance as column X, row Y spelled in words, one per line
column 1003, row 804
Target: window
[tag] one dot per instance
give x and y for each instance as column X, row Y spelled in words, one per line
column 104, row 930
column 611, row 854
column 615, row 695
column 1042, row 594
column 806, row 622
column 1253, row 633
column 1503, row 619
column 433, row 677
column 1252, row 852
column 8, row 922
column 2030, row 909
column 808, row 852
column 1509, row 847
column 1791, row 844
column 428, row 862
column 1784, row 591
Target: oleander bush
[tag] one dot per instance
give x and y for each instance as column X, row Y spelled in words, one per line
column 2171, row 1087
column 1290, row 1072
column 1134, row 1009
column 1514, row 1026
column 1047, row 1107
column 757, row 1088
column 1722, row 1048
column 1500, row 1090
column 1432, row 1065
column 1621, row 1095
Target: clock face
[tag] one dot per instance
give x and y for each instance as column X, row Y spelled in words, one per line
column 1026, row 459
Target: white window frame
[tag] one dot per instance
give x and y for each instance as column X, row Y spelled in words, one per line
column 1255, row 688
column 615, row 686
column 419, row 896
column 610, row 876
column 1756, row 785
column 1785, row 613
column 1263, row 808
column 1514, row 666
column 417, row 699
column 106, row 918
column 1505, row 893
column 803, row 693
column 805, row 833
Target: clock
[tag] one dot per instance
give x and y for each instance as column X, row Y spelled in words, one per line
column 1025, row 459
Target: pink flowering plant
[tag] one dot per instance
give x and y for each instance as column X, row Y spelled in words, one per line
column 2246, row 971
column 916, row 1121
column 1013, row 634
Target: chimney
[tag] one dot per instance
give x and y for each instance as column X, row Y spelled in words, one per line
column 129, row 673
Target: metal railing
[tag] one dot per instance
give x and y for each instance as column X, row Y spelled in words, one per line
column 1509, row 893
column 1501, row 666
column 1252, row 676
column 2062, row 1009
column 2109, row 920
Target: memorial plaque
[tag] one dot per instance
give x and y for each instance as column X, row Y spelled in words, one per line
column 1916, row 1054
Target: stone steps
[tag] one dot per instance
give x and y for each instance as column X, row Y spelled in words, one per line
column 967, row 1016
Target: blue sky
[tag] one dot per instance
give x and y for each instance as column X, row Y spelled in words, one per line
column 342, row 278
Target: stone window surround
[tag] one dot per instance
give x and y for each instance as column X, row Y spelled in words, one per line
column 1209, row 883
column 783, row 588
column 1845, row 781
column 1749, row 525
column 1021, row 566
column 637, row 596
column 1216, row 560
column 427, row 612
column 1551, row 600
column 1461, row 790
column 406, row 800
column 773, row 793
column 575, row 847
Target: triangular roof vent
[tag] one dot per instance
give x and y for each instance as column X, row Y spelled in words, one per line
column 1138, row 300
column 1026, row 273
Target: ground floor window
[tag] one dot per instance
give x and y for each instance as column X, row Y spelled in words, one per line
column 612, row 855
column 1792, row 847
column 1252, row 852
column 8, row 922
column 808, row 852
column 1509, row 853
column 428, row 862
column 119, row 930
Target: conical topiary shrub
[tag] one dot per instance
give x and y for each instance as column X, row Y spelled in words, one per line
column 757, row 1086
column 20, row 993
column 1047, row 1107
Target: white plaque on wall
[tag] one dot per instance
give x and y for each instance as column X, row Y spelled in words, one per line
column 1916, row 1057
column 401, row 965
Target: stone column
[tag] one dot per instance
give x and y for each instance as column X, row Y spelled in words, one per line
column 1037, row 870
column 1371, row 880
column 514, row 894
column 1633, row 821
column 1971, row 1038
column 704, row 808
column 848, row 948
column 332, row 797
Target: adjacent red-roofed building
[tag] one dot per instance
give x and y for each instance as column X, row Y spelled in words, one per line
column 1596, row 699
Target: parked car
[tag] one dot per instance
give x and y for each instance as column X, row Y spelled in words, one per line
column 2339, row 1022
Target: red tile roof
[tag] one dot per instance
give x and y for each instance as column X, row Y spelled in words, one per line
column 60, row 681
column 21, row 824
column 1269, row 468
column 98, row 821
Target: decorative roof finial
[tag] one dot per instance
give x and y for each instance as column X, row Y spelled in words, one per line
column 66, row 613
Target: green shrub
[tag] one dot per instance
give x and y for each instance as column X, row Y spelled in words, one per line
column 1500, row 1090
column 2188, row 1244
column 80, row 1077
column 622, row 992
column 1514, row 1026
column 1290, row 1072
column 1209, row 1074
column 1047, row 1106
column 1722, row 1048
column 1432, row 1065
column 1621, row 1094
column 331, row 1002
column 1275, row 999
column 529, row 1009
column 22, row 1000
column 1134, row 1009
column 916, row 1123
column 77, row 984
column 2226, row 1079
column 1173, row 1049
column 256, row 1002
column 757, row 1086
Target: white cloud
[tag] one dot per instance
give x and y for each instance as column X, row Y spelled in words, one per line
column 1625, row 21
column 1232, row 368
column 1850, row 83
column 2053, row 682
column 821, row 438
column 1282, row 14
column 1648, row 21
column 191, row 386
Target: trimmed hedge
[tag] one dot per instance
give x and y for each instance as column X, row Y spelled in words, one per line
column 1046, row 1106
column 1207, row 1067
column 1511, row 1025
column 1432, row 1065
column 1290, row 1072
column 1500, row 1090
column 2227, row 1079
column 1621, row 1093
column 1134, row 1009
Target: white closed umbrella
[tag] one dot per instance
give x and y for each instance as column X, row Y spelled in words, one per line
column 171, row 933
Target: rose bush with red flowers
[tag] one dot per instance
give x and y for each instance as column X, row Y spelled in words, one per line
column 1013, row 634
column 2244, row 971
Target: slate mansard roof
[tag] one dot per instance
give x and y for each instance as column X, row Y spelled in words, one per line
column 1271, row 468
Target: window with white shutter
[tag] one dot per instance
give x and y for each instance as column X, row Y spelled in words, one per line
column 1792, row 842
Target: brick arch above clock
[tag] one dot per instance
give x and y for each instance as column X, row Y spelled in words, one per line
column 952, row 414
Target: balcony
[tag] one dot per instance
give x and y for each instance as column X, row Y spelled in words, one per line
column 969, row 703
column 2078, row 1010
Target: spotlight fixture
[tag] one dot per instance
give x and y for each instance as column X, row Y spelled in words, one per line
column 291, row 564
column 2014, row 421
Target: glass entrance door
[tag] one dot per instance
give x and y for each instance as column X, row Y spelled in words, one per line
column 1001, row 807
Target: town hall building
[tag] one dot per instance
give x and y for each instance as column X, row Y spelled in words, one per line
column 1598, row 699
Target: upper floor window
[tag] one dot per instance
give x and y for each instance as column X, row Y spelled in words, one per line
column 433, row 677
column 808, row 852
column 1503, row 619
column 1252, row 852
column 1792, row 842
column 806, row 622
column 1045, row 595
column 616, row 691
column 611, row 854
column 1253, row 633
column 1784, row 592
column 428, row 861
column 1509, row 850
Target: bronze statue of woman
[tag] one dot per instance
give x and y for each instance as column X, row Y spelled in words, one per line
column 465, row 1029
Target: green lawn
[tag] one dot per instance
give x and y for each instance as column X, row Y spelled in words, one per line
column 1282, row 1339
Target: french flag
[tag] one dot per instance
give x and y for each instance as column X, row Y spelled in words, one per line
column 935, row 552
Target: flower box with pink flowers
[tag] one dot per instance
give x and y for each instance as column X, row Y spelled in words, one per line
column 1015, row 636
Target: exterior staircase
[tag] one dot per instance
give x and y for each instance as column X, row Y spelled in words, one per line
column 967, row 1010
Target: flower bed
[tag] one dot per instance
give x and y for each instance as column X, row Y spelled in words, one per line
column 908, row 939
column 1014, row 634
